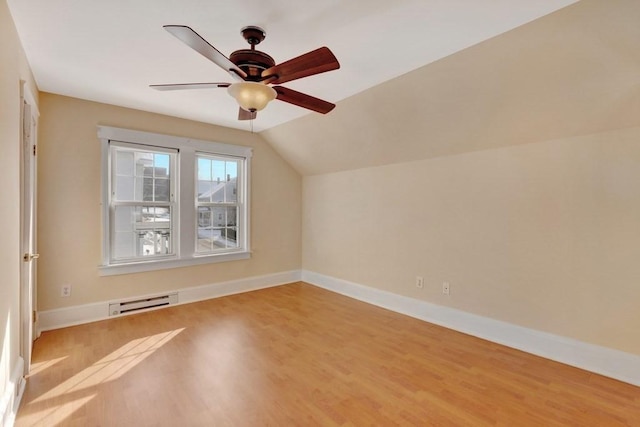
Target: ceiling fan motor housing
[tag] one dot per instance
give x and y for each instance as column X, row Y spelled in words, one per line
column 252, row 62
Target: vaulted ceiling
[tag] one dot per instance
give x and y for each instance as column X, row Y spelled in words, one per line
column 110, row 51
column 418, row 78
column 573, row 72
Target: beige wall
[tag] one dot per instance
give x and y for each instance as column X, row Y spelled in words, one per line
column 69, row 206
column 509, row 169
column 543, row 235
column 573, row 72
column 14, row 68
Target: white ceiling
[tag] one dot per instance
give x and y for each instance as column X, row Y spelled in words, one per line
column 110, row 51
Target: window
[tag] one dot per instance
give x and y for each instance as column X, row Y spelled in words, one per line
column 217, row 203
column 170, row 202
column 142, row 202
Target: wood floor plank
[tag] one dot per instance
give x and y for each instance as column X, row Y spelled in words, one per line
column 298, row 355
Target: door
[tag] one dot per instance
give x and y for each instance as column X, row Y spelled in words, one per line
column 28, row 225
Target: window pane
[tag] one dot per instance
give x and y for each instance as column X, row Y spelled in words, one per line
column 204, row 191
column 205, row 235
column 146, row 195
column 161, row 190
column 231, row 216
column 231, row 239
column 124, row 245
column 144, row 163
column 141, row 231
column 125, row 188
column 219, row 216
column 204, row 169
column 123, row 219
column 216, row 228
column 231, row 171
column 231, row 191
column 218, row 171
column 124, row 163
column 204, row 216
column 217, row 192
column 161, row 165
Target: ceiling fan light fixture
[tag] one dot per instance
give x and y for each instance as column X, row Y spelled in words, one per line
column 252, row 96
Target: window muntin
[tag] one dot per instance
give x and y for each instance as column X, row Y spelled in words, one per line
column 142, row 202
column 218, row 203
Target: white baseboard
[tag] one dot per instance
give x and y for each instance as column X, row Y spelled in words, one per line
column 77, row 315
column 10, row 400
column 601, row 360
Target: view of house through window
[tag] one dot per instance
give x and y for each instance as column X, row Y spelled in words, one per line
column 141, row 202
column 217, row 203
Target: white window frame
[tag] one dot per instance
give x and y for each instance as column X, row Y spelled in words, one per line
column 172, row 203
column 238, row 204
column 186, row 212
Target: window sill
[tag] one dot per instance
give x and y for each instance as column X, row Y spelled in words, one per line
column 139, row 267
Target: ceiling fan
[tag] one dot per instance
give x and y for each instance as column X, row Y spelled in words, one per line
column 256, row 72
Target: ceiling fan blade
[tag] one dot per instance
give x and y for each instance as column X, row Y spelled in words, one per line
column 314, row 62
column 196, row 42
column 303, row 100
column 246, row 115
column 181, row 86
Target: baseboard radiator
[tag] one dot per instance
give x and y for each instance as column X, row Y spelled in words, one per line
column 122, row 307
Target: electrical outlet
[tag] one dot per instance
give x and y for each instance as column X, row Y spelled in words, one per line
column 65, row 291
column 445, row 288
column 419, row 282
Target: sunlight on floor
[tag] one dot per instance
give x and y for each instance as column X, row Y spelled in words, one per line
column 36, row 368
column 59, row 403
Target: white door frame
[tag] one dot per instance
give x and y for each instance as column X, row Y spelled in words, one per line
column 28, row 192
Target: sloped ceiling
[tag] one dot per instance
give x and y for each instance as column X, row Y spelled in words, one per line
column 110, row 51
column 573, row 72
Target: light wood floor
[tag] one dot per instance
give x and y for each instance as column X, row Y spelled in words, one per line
column 297, row 355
